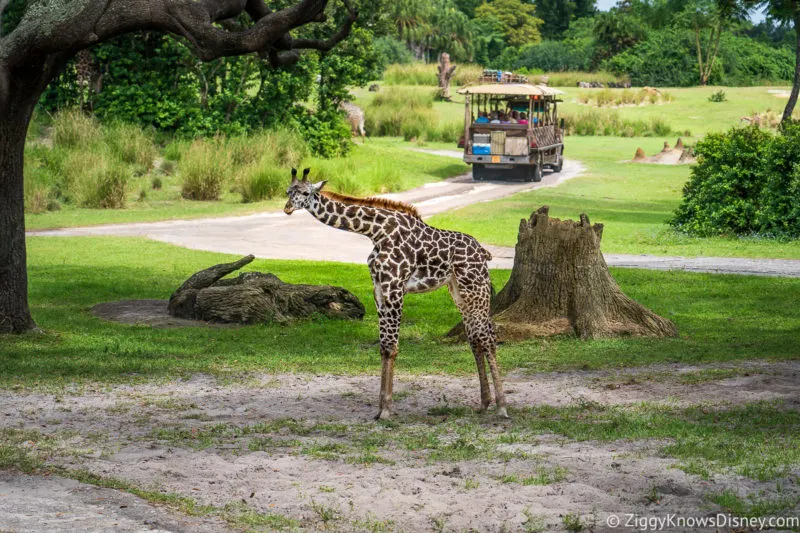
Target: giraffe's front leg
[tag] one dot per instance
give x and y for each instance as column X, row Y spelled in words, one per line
column 390, row 308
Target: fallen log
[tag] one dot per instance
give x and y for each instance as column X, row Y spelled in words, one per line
column 257, row 297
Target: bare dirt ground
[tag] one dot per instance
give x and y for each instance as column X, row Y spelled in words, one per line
column 304, row 449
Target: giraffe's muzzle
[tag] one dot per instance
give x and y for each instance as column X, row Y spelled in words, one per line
column 288, row 208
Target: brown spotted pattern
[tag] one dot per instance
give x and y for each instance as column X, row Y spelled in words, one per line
column 411, row 256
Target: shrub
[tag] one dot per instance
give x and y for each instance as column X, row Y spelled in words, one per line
column 723, row 190
column 156, row 184
column 205, row 168
column 718, row 96
column 326, row 133
column 72, row 128
column 616, row 97
column 778, row 211
column 571, row 79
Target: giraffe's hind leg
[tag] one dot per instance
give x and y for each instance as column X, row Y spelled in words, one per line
column 472, row 299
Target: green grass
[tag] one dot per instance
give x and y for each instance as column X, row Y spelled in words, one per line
column 633, row 201
column 69, row 275
column 380, row 165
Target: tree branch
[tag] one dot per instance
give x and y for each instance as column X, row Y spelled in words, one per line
column 44, row 32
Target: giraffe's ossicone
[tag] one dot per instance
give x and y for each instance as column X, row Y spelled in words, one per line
column 411, row 256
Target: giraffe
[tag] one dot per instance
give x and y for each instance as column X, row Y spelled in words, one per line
column 410, row 256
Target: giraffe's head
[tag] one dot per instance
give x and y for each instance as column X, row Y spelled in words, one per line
column 301, row 192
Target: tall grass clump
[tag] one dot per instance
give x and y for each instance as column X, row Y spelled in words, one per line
column 426, row 74
column 591, row 122
column 399, row 112
column 205, row 168
column 409, row 113
column 621, row 97
column 571, row 79
column 261, row 181
column 131, row 145
column 104, row 186
column 258, row 160
column 39, row 185
column 74, row 129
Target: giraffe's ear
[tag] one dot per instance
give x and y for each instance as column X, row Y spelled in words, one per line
column 294, row 176
column 319, row 185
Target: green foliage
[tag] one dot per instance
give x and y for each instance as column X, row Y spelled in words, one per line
column 431, row 27
column 555, row 56
column 615, row 32
column 354, row 62
column 327, row 134
column 718, row 96
column 668, row 58
column 391, row 51
column 518, row 20
column 558, row 14
column 488, row 41
column 779, row 203
column 746, row 181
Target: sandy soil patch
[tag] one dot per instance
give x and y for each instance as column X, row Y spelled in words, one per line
column 153, row 436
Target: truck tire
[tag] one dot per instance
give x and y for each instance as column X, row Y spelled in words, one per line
column 536, row 173
column 559, row 164
column 478, row 172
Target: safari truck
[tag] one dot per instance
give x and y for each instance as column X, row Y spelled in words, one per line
column 511, row 128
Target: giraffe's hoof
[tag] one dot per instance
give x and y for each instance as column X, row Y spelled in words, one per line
column 502, row 413
column 383, row 414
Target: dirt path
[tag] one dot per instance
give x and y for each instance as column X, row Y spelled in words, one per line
column 297, row 448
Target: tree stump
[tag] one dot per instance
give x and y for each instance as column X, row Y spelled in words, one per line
column 445, row 73
column 560, row 283
column 254, row 297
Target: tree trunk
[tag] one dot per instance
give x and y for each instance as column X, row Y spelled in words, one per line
column 445, row 73
column 560, row 283
column 19, row 92
column 789, row 109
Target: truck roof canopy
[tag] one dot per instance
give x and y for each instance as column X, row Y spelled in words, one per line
column 510, row 89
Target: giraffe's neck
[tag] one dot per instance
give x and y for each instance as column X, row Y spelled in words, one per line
column 357, row 219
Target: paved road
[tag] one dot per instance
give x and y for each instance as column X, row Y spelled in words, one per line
column 277, row 236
